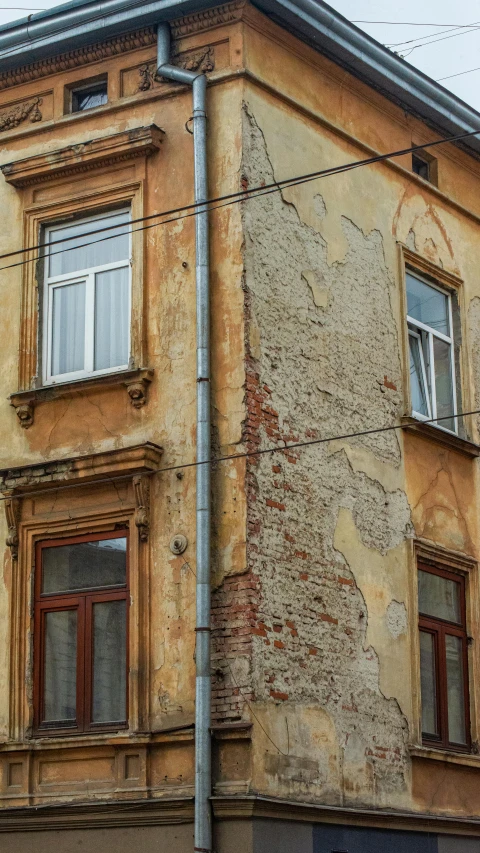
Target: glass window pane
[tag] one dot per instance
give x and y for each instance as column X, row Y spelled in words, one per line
column 109, row 662
column 112, row 318
column 428, row 684
column 417, row 378
column 427, row 304
column 443, row 382
column 84, row 565
column 68, row 329
column 86, row 99
column 80, row 255
column 60, row 685
column 439, row 597
column 455, row 691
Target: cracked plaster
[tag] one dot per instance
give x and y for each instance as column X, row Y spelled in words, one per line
column 324, row 367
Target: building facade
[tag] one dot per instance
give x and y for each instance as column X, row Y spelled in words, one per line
column 345, row 327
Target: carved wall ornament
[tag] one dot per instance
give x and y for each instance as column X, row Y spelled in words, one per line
column 25, row 415
column 12, row 513
column 20, row 112
column 202, row 61
column 141, row 487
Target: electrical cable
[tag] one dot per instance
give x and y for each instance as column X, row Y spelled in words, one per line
column 468, row 27
column 249, row 454
column 433, row 41
column 458, row 74
column 411, row 24
column 231, row 198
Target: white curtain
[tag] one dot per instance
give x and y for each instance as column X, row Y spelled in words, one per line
column 111, row 319
column 68, row 329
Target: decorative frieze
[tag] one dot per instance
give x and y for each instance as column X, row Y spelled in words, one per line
column 19, row 113
column 202, row 61
column 188, row 25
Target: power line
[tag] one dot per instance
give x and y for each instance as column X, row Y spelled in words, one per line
column 473, row 26
column 433, row 41
column 231, row 198
column 459, row 74
column 249, row 454
column 411, row 24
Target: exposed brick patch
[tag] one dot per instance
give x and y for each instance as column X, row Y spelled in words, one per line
column 280, row 697
column 275, row 504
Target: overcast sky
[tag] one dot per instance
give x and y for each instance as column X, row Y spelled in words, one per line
column 450, row 53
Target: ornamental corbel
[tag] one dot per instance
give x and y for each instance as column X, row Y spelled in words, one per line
column 25, row 415
column 137, row 389
column 141, row 488
column 12, row 513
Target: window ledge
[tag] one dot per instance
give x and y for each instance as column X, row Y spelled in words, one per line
column 433, row 754
column 447, row 439
column 135, row 381
column 137, row 142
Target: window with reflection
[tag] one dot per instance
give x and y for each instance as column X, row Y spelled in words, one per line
column 443, row 659
column 432, row 362
column 81, row 628
column 86, row 305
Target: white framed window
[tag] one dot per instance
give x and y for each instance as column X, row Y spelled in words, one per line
column 432, row 360
column 87, row 298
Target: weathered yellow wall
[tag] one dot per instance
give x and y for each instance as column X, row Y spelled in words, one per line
column 334, row 664
column 314, row 601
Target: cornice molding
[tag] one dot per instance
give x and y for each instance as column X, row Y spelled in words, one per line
column 76, row 58
column 208, row 19
column 257, row 806
column 98, row 815
column 124, row 462
column 139, row 142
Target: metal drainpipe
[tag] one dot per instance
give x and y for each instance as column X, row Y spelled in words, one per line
column 203, row 773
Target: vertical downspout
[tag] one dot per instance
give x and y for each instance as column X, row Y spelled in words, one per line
column 203, row 774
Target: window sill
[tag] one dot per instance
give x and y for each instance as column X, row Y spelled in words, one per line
column 135, row 381
column 441, row 436
column 430, row 753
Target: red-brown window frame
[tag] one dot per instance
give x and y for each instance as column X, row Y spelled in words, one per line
column 82, row 602
column 438, row 628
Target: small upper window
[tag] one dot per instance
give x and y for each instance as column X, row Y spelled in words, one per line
column 89, row 96
column 86, row 319
column 432, row 366
column 425, row 166
column 421, row 167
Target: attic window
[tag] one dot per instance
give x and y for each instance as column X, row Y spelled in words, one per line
column 88, row 96
column 425, row 166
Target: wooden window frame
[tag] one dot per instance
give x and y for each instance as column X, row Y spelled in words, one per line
column 87, row 276
column 82, row 601
column 439, row 628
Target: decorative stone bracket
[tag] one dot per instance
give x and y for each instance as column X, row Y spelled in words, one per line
column 12, row 513
column 135, row 381
column 141, row 487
